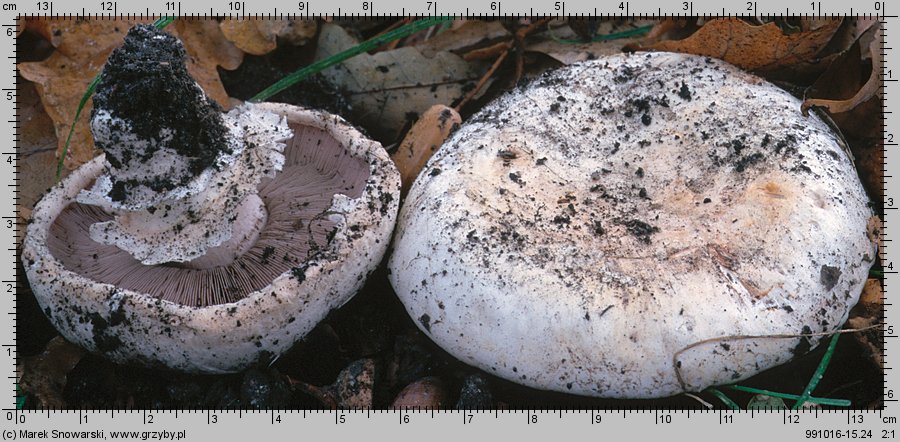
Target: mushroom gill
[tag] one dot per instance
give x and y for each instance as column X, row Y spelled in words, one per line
column 297, row 200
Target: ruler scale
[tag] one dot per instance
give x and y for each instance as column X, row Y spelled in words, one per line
column 698, row 424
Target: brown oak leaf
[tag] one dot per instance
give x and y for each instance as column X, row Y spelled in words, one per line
column 82, row 47
column 258, row 36
column 753, row 47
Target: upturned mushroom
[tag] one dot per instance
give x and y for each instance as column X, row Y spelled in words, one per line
column 632, row 227
column 205, row 241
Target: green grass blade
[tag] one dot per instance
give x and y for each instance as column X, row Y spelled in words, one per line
column 725, row 399
column 20, row 398
column 607, row 37
column 160, row 23
column 365, row 46
column 793, row 397
column 624, row 34
column 84, row 99
column 820, row 371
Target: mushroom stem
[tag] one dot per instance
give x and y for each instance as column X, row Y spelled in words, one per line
column 180, row 177
column 251, row 217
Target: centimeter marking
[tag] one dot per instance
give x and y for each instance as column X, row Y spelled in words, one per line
column 886, row 391
column 661, row 416
column 486, row 8
column 110, row 10
column 12, row 351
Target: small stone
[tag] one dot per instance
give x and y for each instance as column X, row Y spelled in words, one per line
column 475, row 394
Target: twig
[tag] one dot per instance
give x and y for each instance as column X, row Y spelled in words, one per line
column 487, row 52
column 519, row 47
column 698, row 399
column 525, row 31
column 484, row 79
column 395, row 25
column 747, row 337
column 323, row 395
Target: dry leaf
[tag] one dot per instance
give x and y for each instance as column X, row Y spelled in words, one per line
column 856, row 108
column 867, row 91
column 44, row 375
column 559, row 43
column 666, row 29
column 389, row 89
column 849, row 33
column 82, row 47
column 425, row 394
column 465, row 36
column 568, row 53
column 207, row 49
column 867, row 313
column 258, row 36
column 751, row 47
column 35, row 126
column 36, row 146
column 422, row 140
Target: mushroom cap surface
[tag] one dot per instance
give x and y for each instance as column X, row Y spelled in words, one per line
column 106, row 301
column 619, row 228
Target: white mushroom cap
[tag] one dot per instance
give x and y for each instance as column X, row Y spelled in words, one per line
column 606, row 230
column 330, row 212
column 183, row 223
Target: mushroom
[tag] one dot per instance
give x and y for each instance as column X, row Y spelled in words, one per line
column 204, row 241
column 635, row 226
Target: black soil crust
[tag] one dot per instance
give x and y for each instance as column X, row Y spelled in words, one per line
column 146, row 83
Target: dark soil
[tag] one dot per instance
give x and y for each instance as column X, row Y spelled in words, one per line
column 146, row 83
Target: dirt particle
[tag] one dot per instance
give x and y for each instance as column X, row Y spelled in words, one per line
column 684, row 92
column 804, row 345
column 829, row 276
column 425, row 320
column 266, row 254
column 742, row 164
column 640, row 229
